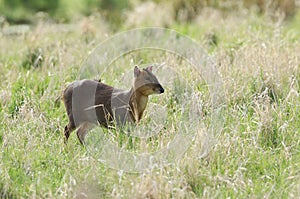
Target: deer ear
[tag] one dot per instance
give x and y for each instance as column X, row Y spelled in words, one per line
column 149, row 68
column 136, row 71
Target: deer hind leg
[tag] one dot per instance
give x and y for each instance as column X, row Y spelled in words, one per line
column 68, row 130
column 83, row 130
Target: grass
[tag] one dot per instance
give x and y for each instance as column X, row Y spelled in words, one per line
column 257, row 154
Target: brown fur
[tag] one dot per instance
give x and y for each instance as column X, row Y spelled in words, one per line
column 90, row 102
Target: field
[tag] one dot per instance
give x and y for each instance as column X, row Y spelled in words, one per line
column 256, row 155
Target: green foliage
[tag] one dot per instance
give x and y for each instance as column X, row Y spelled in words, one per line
column 113, row 10
column 18, row 11
column 41, row 5
column 19, row 94
column 33, row 59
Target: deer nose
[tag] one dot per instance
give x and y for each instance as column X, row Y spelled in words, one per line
column 161, row 89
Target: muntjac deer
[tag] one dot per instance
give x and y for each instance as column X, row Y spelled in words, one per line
column 90, row 102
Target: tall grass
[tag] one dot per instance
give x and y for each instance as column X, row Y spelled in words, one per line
column 257, row 154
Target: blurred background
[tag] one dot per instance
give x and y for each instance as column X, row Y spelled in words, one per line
column 125, row 13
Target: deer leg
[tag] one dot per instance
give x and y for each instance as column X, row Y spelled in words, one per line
column 68, row 130
column 82, row 131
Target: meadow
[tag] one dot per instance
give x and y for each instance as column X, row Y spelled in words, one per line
column 256, row 155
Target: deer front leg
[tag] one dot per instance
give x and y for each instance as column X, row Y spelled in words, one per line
column 83, row 130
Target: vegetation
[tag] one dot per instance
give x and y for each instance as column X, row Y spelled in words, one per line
column 257, row 154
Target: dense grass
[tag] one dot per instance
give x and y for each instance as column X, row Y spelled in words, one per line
column 257, row 154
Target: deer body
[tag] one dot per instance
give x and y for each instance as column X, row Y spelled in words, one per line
column 90, row 102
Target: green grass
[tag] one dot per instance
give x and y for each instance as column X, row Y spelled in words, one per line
column 256, row 155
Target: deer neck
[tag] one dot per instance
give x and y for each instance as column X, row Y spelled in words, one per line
column 137, row 103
